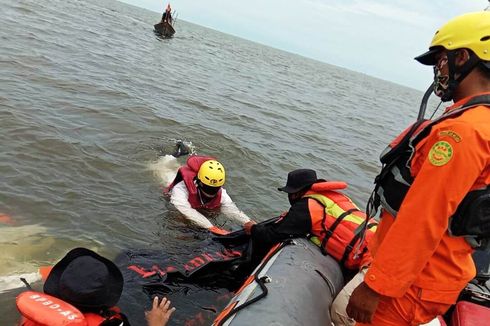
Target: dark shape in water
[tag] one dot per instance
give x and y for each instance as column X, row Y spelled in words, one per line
column 201, row 278
column 164, row 29
column 181, row 149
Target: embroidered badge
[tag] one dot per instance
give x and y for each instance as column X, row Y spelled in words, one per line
column 440, row 153
column 450, row 133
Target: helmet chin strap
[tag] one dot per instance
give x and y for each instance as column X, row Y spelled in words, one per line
column 465, row 69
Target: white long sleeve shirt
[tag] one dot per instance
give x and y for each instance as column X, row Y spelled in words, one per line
column 179, row 198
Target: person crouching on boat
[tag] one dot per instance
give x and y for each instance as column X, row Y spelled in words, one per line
column 83, row 288
column 167, row 15
column 319, row 210
column 199, row 185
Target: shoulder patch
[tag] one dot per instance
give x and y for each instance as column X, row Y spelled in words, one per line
column 450, row 133
column 440, row 153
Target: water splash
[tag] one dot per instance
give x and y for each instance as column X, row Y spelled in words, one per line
column 165, row 169
column 20, row 245
column 166, row 166
column 183, row 147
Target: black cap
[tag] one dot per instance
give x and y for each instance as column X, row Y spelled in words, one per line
column 85, row 280
column 299, row 180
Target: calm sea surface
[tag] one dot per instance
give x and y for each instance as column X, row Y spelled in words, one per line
column 90, row 97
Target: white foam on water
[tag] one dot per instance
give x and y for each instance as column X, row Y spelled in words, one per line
column 9, row 282
column 165, row 169
column 20, row 249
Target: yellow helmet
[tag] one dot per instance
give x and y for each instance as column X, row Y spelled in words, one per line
column 212, row 173
column 470, row 31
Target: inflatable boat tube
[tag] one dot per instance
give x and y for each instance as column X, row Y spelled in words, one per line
column 294, row 285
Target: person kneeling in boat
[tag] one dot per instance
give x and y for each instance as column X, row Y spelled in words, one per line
column 199, row 185
column 83, row 288
column 319, row 210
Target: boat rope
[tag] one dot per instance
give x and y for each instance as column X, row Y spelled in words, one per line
column 260, row 281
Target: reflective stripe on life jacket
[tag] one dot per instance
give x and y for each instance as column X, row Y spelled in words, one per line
column 188, row 173
column 338, row 227
column 40, row 309
column 395, row 178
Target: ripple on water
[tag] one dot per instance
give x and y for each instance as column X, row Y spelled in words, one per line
column 89, row 97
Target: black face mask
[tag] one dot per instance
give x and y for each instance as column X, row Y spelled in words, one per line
column 207, row 191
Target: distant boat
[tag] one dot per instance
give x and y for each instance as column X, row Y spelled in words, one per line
column 164, row 29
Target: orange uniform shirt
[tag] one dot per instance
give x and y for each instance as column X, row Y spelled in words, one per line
column 415, row 248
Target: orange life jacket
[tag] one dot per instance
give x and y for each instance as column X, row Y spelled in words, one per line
column 188, row 173
column 337, row 227
column 395, row 178
column 40, row 309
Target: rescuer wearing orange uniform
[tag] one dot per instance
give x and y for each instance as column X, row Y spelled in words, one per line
column 428, row 184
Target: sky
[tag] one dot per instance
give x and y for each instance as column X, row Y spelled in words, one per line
column 377, row 37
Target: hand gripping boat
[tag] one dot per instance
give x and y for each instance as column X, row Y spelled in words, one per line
column 293, row 285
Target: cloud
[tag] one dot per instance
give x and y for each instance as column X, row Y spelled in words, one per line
column 392, row 11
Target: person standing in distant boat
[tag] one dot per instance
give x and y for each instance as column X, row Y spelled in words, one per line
column 167, row 15
column 199, row 185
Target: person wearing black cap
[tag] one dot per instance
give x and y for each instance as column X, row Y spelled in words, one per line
column 320, row 210
column 93, row 285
